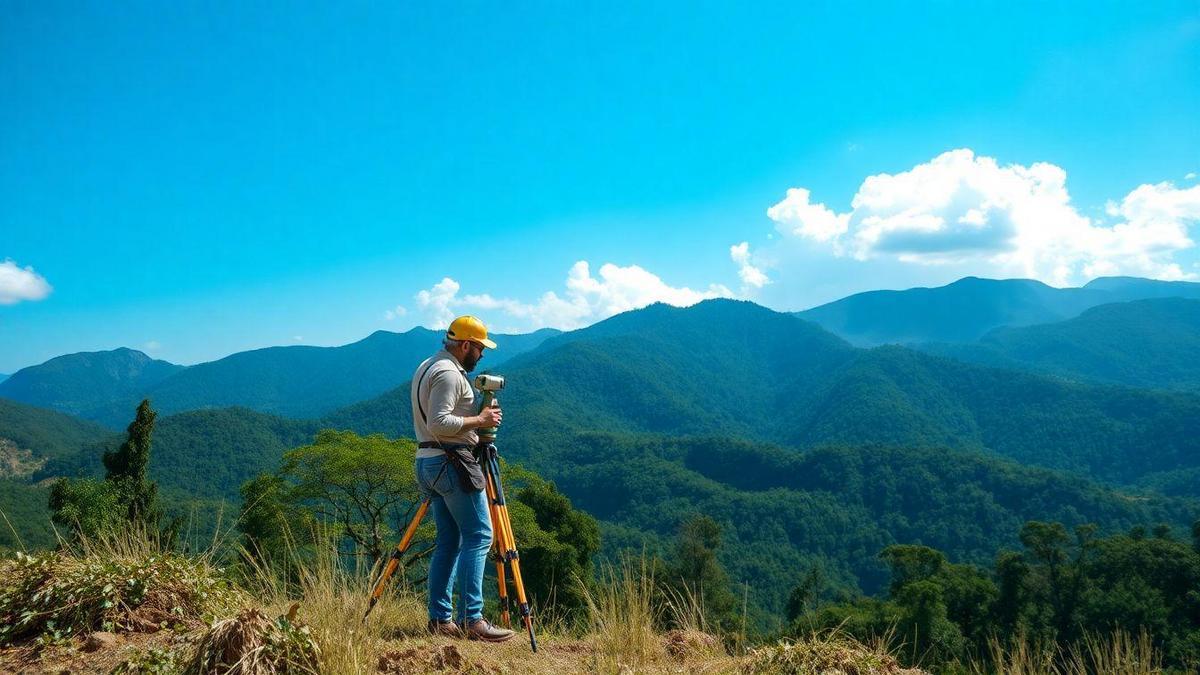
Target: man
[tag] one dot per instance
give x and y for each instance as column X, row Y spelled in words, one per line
column 444, row 418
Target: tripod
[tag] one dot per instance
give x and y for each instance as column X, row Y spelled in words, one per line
column 504, row 546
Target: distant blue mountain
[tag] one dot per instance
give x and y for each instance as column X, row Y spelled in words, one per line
column 88, row 384
column 967, row 309
column 1151, row 343
column 3, row 377
column 294, row 381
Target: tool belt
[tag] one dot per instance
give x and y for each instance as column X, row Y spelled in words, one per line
column 462, row 458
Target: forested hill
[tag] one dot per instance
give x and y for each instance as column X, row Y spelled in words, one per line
column 295, row 381
column 93, row 385
column 968, row 308
column 736, row 369
column 46, row 434
column 831, row 507
column 1145, row 343
column 782, row 512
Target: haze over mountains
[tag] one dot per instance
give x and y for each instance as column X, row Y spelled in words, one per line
column 809, row 450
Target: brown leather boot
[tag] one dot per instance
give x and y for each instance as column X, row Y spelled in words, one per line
column 482, row 629
column 445, row 628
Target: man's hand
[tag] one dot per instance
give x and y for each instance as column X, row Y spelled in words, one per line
column 490, row 417
column 487, row 418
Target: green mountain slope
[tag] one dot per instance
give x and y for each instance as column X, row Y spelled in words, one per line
column 91, row 385
column 968, row 308
column 203, row 453
column 736, row 369
column 46, row 433
column 835, row 507
column 661, row 369
column 294, row 381
column 1145, row 343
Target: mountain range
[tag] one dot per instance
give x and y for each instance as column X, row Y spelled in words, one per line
column 967, row 309
column 294, row 381
column 807, row 449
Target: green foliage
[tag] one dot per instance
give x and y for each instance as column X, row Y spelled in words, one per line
column 126, row 497
column 127, row 470
column 695, row 573
column 362, row 486
column 557, row 547
column 86, row 507
column 1060, row 589
column 46, row 433
column 61, row 594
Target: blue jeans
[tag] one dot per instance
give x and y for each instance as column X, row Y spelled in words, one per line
column 464, row 535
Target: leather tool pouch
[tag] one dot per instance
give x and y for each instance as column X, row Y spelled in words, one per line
column 470, row 473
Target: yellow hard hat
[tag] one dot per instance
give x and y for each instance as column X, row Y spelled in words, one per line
column 469, row 328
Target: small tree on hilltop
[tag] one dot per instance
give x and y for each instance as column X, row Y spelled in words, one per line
column 127, row 468
column 125, row 496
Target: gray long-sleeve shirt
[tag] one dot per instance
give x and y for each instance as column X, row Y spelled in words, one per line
column 447, row 397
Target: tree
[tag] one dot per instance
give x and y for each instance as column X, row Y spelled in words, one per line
column 696, row 572
column 363, row 487
column 910, row 563
column 804, row 594
column 557, row 546
column 127, row 466
column 125, row 496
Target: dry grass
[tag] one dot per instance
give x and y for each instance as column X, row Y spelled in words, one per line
column 331, row 601
column 1117, row 653
column 623, row 619
column 252, row 644
column 828, row 651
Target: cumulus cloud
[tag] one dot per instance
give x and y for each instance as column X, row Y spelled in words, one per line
column 585, row 300
column 751, row 276
column 1013, row 220
column 395, row 312
column 17, row 284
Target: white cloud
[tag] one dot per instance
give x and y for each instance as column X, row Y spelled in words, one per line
column 797, row 216
column 152, row 346
column 17, row 284
column 1191, row 175
column 585, row 300
column 752, row 277
column 297, row 338
column 966, row 210
column 395, row 312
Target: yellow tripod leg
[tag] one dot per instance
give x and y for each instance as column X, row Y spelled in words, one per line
column 498, row 547
column 394, row 561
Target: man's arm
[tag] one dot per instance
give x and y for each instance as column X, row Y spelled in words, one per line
column 443, row 396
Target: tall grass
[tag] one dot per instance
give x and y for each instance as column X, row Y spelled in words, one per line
column 623, row 617
column 332, row 598
column 1115, row 653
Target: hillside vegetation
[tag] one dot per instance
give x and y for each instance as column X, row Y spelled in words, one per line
column 1146, row 343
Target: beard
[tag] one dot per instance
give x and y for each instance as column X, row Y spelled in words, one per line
column 469, row 362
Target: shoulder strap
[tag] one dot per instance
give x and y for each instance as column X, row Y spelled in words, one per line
column 420, row 380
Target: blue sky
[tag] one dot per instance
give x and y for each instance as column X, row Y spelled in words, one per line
column 194, row 180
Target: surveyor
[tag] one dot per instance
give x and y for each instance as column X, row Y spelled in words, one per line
column 445, row 419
